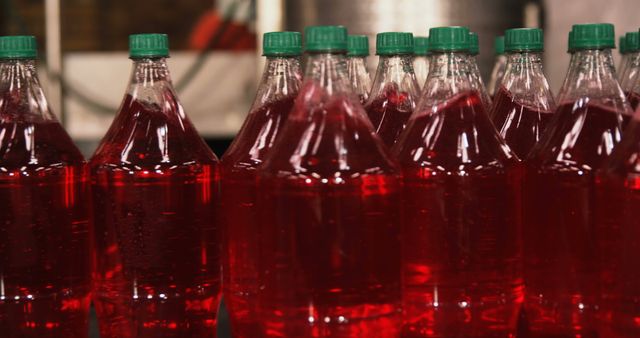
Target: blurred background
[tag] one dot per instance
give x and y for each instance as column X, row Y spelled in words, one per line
column 215, row 60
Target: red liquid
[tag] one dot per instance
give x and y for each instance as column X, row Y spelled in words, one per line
column 329, row 205
column 156, row 248
column 238, row 212
column 560, row 246
column 389, row 113
column 462, row 251
column 44, row 231
column 519, row 125
column 634, row 99
column 618, row 234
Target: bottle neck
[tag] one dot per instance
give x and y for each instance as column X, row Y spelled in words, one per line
column 396, row 71
column 328, row 71
column 280, row 78
column 395, row 67
column 359, row 76
column 150, row 80
column 568, row 77
column 475, row 69
column 449, row 75
column 531, row 61
column 497, row 74
column 525, row 81
column 450, row 67
column 358, row 61
column 21, row 93
column 630, row 71
column 592, row 75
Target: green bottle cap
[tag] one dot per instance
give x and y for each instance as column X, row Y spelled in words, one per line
column 420, row 45
column 622, row 41
column 325, row 39
column 474, row 44
column 18, row 47
column 282, row 44
column 357, row 45
column 449, row 39
column 570, row 48
column 593, row 36
column 498, row 45
column 148, row 46
column 631, row 42
column 394, row 43
column 523, row 40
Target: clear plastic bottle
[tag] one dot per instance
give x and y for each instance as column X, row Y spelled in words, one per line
column 45, row 249
column 617, row 233
column 395, row 90
column 630, row 79
column 357, row 53
column 154, row 184
column 523, row 105
column 562, row 297
column 329, row 201
column 461, row 246
column 238, row 167
column 421, row 58
column 624, row 56
column 476, row 77
column 499, row 67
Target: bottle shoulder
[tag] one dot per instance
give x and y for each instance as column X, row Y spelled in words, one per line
column 258, row 134
column 580, row 136
column 452, row 135
column 148, row 135
column 326, row 134
column 37, row 144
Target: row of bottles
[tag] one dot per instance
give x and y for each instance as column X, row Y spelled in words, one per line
column 148, row 254
column 342, row 211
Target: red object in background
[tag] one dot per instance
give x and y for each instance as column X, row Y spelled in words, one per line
column 44, row 227
column 328, row 196
column 389, row 112
column 521, row 126
column 618, row 198
column 461, row 243
column 154, row 184
column 560, row 243
column 236, row 36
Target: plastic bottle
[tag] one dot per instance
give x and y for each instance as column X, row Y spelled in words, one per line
column 523, row 105
column 421, row 58
column 560, row 256
column 44, row 223
column 357, row 53
column 395, row 89
column 624, row 59
column 476, row 78
column 630, row 79
column 618, row 235
column 461, row 247
column 499, row 67
column 238, row 167
column 329, row 201
column 154, row 184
